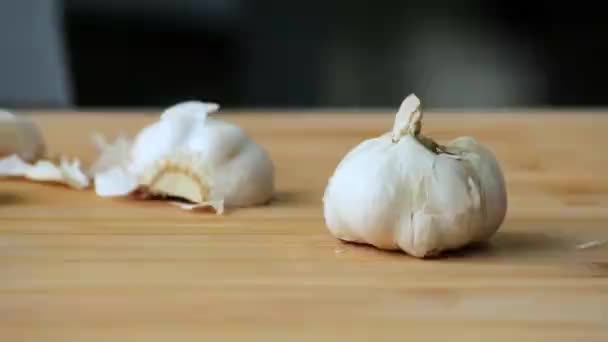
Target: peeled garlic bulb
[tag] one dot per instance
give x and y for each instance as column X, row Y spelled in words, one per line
column 404, row 191
column 188, row 155
column 20, row 135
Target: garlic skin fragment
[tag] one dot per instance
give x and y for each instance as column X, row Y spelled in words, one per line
column 66, row 172
column 404, row 191
column 188, row 155
column 21, row 136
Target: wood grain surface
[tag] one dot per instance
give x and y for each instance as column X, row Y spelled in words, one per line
column 75, row 267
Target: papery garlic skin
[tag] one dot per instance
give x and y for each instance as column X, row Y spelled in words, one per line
column 403, row 191
column 20, row 135
column 66, row 172
column 491, row 180
column 216, row 154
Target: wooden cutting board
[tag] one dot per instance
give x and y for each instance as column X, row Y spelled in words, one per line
column 75, row 267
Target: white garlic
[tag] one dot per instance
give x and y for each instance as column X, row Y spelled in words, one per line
column 19, row 135
column 191, row 156
column 66, row 172
column 402, row 190
column 21, row 150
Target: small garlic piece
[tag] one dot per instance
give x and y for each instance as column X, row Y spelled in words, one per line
column 187, row 155
column 402, row 190
column 66, row 172
column 19, row 135
column 21, row 150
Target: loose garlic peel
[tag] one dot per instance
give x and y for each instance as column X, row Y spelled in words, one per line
column 402, row 190
column 22, row 146
column 187, row 155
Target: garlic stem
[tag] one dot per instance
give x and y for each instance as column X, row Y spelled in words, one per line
column 408, row 121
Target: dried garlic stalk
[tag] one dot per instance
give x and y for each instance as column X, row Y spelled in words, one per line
column 187, row 155
column 404, row 191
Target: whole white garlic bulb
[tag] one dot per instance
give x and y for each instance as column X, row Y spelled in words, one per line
column 188, row 155
column 20, row 136
column 402, row 190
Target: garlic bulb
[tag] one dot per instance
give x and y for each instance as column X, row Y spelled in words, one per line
column 188, row 155
column 20, row 135
column 402, row 190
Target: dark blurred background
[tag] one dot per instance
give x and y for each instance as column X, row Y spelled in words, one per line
column 304, row 54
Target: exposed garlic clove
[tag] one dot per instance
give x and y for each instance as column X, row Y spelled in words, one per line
column 404, row 191
column 19, row 135
column 181, row 175
column 188, row 155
